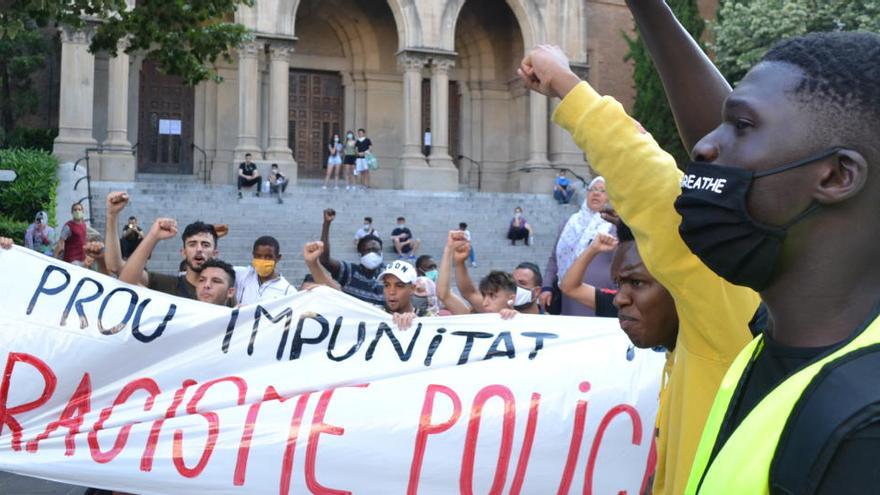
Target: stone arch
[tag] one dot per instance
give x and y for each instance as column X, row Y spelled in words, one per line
column 404, row 12
column 528, row 16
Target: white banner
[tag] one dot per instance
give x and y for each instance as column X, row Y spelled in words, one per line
column 112, row 386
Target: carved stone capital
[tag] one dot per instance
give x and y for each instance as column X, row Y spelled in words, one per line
column 280, row 50
column 251, row 49
column 442, row 64
column 408, row 62
column 75, row 36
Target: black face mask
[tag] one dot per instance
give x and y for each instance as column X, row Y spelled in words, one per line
column 717, row 227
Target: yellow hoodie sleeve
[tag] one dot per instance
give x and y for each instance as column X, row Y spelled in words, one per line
column 642, row 183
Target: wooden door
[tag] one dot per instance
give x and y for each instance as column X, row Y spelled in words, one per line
column 314, row 114
column 165, row 123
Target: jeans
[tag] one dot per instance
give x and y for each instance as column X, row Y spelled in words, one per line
column 563, row 196
column 245, row 182
column 281, row 184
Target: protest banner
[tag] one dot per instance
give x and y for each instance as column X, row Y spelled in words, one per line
column 119, row 387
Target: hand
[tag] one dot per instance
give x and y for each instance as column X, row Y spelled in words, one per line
column 312, row 251
column 455, row 236
column 329, row 215
column 545, row 299
column 403, row 321
column 164, row 228
column 94, row 250
column 508, row 314
column 6, row 243
column 116, row 202
column 460, row 251
column 611, row 216
column 545, row 69
column 221, row 229
column 603, row 243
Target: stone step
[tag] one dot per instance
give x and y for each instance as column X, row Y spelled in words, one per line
column 298, row 220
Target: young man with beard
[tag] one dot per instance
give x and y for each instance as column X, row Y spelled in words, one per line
column 359, row 280
column 643, row 182
column 796, row 148
column 199, row 245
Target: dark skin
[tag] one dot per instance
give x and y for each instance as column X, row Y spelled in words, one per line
column 693, row 85
column 331, row 264
column 647, row 311
column 815, row 299
column 267, row 253
column 425, row 266
column 398, row 295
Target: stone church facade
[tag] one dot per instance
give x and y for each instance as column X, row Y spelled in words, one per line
column 318, row 67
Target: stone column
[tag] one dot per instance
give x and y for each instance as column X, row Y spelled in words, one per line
column 538, row 121
column 279, row 77
column 412, row 65
column 248, row 100
column 440, row 113
column 117, row 162
column 76, row 101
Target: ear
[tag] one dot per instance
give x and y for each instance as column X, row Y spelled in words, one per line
column 216, row 253
column 230, row 293
column 845, row 178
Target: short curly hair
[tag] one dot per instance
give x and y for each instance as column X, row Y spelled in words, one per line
column 841, row 75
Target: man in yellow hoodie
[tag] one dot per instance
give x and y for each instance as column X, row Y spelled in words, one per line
column 643, row 183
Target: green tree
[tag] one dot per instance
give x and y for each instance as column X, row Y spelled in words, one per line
column 745, row 30
column 19, row 59
column 651, row 108
column 185, row 36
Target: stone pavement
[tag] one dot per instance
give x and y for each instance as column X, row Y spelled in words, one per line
column 12, row 484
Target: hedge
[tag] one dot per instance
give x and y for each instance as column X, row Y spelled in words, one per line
column 13, row 228
column 35, row 187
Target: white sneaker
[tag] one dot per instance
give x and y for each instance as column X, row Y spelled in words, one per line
column 335, row 188
column 324, row 187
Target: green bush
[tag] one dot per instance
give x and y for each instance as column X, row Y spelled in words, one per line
column 29, row 138
column 13, row 228
column 34, row 189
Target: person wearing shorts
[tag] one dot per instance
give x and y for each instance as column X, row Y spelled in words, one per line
column 349, row 158
column 334, row 161
column 363, row 146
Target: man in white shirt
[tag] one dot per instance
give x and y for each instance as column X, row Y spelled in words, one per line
column 261, row 281
column 366, row 230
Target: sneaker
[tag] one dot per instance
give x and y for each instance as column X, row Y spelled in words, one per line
column 239, row 194
column 258, row 194
column 280, row 201
column 412, row 259
column 324, row 187
column 348, row 188
column 335, row 188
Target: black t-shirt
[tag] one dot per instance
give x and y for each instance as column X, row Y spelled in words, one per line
column 853, row 468
column 405, row 232
column 605, row 307
column 130, row 240
column 169, row 284
column 248, row 168
column 363, row 145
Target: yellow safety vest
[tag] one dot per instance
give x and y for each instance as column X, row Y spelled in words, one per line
column 742, row 466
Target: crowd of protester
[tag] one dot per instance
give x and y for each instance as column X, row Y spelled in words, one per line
column 683, row 260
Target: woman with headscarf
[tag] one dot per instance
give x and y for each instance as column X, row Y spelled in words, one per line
column 577, row 233
column 40, row 236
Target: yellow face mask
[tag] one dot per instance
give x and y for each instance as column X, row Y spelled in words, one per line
column 264, row 268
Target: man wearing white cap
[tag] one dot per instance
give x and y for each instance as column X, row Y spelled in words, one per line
column 398, row 280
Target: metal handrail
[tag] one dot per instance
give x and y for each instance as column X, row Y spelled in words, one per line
column 205, row 176
column 88, row 176
column 470, row 171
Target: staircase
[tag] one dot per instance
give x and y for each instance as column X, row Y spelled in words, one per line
column 430, row 215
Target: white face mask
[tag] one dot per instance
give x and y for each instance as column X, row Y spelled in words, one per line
column 371, row 261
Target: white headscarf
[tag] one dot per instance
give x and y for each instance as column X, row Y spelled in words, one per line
column 578, row 233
